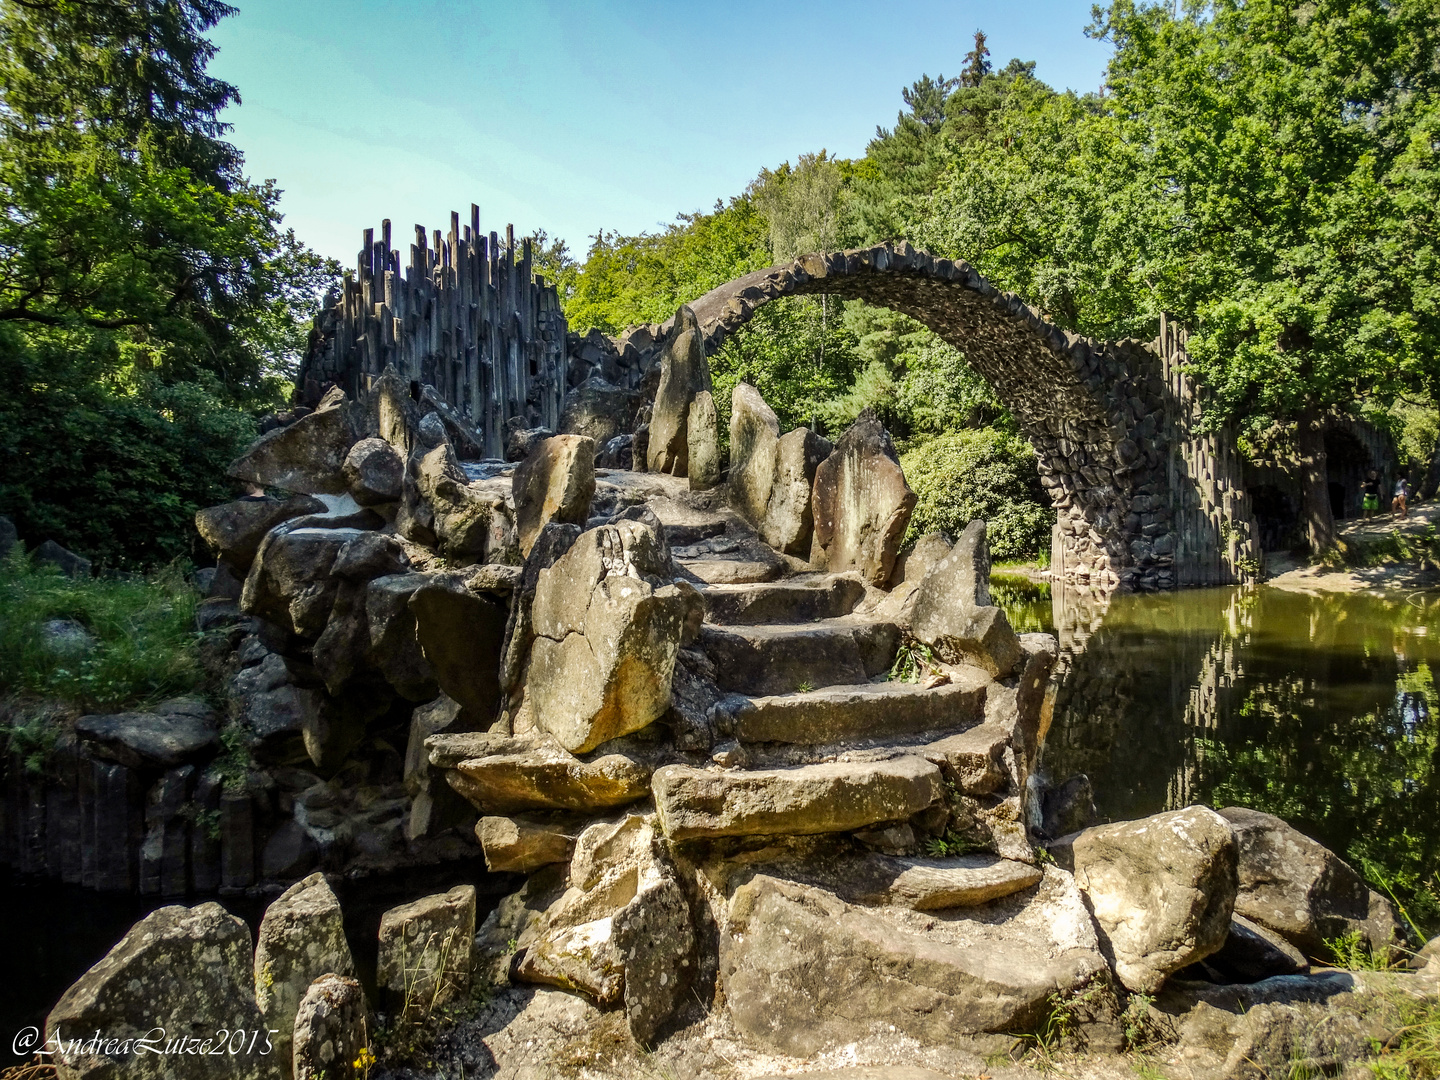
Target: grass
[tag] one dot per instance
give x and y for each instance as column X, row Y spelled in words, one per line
column 1396, row 548
column 1414, row 1052
column 913, row 662
column 145, row 644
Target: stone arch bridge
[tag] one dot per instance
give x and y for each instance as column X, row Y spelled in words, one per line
column 1144, row 501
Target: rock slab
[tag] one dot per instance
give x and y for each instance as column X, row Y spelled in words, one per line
column 861, row 503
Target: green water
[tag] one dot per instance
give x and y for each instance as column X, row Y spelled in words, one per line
column 1321, row 709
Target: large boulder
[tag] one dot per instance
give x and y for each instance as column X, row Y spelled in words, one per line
column 180, row 974
column 374, row 472
column 789, row 520
column 754, row 442
column 1303, row 891
column 861, row 503
column 308, row 456
column 503, row 774
column 703, row 429
column 331, row 1035
column 1162, row 890
column 462, row 635
column 233, row 531
column 804, row 972
column 425, row 949
column 599, row 410
column 63, row 559
column 393, row 648
column 290, row 582
column 684, row 372
column 467, row 522
column 554, row 483
column 524, row 843
column 607, row 628
column 954, row 615
column 152, row 740
column 837, row 797
column 301, row 937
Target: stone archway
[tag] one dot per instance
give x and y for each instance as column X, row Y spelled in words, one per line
column 1142, row 502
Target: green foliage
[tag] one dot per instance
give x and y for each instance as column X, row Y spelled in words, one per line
column 1413, row 1052
column 979, row 474
column 951, row 844
column 913, row 661
column 144, row 631
column 113, row 470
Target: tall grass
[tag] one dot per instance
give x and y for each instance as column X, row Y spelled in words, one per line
column 144, row 647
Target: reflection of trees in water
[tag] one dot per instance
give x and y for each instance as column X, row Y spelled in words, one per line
column 1322, row 710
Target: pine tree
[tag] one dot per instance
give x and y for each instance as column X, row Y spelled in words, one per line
column 977, row 62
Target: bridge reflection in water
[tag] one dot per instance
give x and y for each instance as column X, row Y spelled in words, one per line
column 1322, row 709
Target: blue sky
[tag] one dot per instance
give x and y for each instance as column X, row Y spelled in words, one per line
column 571, row 116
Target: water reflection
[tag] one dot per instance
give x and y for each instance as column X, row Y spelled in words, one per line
column 1321, row 709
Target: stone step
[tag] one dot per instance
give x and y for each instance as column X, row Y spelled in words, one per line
column 931, row 884
column 780, row 658
column 824, row 597
column 839, row 797
column 856, row 711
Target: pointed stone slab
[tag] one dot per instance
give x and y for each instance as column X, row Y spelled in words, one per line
column 860, row 711
column 839, row 797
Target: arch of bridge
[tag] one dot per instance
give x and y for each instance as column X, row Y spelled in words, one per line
column 1094, row 411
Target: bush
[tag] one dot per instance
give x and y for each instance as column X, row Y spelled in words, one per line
column 144, row 648
column 113, row 471
column 985, row 474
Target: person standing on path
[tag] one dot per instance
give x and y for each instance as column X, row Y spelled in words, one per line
column 1370, row 504
column 1400, row 505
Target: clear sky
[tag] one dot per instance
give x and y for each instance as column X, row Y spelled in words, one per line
column 576, row 116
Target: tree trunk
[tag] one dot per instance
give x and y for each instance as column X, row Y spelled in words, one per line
column 1314, row 481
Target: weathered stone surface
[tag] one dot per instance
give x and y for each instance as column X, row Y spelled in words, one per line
column 1162, row 890
column 330, row 1032
column 393, row 646
column 954, row 615
column 805, row 972
column 503, row 774
column 290, row 581
column 392, row 413
column 931, row 884
column 374, row 472
column 974, row 759
column 185, row 971
column 520, row 440
column 581, row 957
column 866, row 710
column 308, row 456
column 684, row 372
column 290, row 853
column 777, row 659
column 861, row 503
column 523, row 844
column 839, row 797
column 301, row 938
column 461, row 635
column 655, row 938
column 1252, row 953
column 607, row 629
column 782, row 601
column 1303, row 891
column 754, row 445
column 233, row 530
column 555, row 482
column 151, row 741
column 441, row 716
column 369, row 556
column 599, row 410
column 789, row 520
column 425, row 949
column 63, row 559
column 703, row 433
column 469, row 522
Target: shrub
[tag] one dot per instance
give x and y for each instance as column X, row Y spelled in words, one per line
column 985, row 474
column 143, row 630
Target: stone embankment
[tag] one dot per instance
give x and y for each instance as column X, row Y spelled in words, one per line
column 770, row 781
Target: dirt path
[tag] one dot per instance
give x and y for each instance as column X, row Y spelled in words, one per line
column 1282, row 571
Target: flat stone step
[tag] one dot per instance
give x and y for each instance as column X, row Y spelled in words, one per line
column 810, row 799
column 856, row 711
column 782, row 601
column 780, row 658
column 932, row 884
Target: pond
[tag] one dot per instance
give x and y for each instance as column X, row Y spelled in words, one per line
column 1320, row 709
